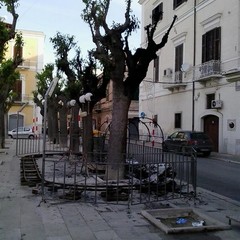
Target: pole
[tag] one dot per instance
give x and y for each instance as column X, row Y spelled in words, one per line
column 44, row 143
column 48, row 94
column 194, row 63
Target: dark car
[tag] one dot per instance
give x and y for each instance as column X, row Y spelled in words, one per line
column 184, row 141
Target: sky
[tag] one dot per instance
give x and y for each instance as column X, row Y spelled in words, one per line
column 52, row 16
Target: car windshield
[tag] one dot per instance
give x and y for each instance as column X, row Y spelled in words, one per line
column 20, row 129
column 199, row 136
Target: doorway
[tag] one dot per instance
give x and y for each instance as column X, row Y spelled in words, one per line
column 13, row 121
column 211, row 127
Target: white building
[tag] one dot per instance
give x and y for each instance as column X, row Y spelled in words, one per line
column 195, row 81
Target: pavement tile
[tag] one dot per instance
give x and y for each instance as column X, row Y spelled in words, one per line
column 24, row 216
column 106, row 235
column 83, row 232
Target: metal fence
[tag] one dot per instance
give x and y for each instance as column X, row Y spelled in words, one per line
column 31, row 146
column 150, row 175
column 147, row 178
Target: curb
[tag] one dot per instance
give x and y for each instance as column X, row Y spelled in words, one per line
column 225, row 160
column 227, row 199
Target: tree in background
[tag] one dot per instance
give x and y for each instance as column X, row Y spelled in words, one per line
column 80, row 79
column 8, row 73
column 112, row 49
column 45, row 77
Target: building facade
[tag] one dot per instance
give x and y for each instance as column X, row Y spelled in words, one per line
column 24, row 112
column 102, row 113
column 194, row 83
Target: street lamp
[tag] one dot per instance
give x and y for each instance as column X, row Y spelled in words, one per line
column 48, row 93
column 83, row 99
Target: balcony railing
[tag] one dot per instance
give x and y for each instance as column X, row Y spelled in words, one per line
column 174, row 81
column 25, row 64
column 178, row 77
column 23, row 98
column 208, row 70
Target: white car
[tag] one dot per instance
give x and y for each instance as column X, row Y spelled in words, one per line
column 21, row 132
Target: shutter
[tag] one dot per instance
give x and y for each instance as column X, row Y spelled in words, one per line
column 204, row 48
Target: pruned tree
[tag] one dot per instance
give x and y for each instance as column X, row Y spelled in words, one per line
column 45, row 77
column 112, row 49
column 72, row 68
column 8, row 73
column 81, row 79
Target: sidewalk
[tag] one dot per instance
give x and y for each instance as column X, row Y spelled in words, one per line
column 23, row 216
column 225, row 157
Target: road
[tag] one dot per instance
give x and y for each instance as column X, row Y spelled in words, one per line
column 219, row 176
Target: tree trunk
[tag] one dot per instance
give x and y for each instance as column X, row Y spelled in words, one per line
column 2, row 126
column 117, row 140
column 52, row 117
column 87, row 135
column 74, row 129
column 63, row 134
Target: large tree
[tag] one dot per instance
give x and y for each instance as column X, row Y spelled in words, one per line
column 8, row 73
column 112, row 49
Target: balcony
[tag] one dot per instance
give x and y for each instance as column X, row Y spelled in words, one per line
column 24, row 65
column 208, row 71
column 20, row 98
column 175, row 81
column 233, row 75
column 231, row 69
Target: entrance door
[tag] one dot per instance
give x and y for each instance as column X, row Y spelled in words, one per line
column 211, row 127
column 13, row 121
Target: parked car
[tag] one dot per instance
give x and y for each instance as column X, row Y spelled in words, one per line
column 184, row 141
column 21, row 132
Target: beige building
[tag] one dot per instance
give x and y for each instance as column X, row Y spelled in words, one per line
column 195, row 81
column 24, row 112
column 102, row 112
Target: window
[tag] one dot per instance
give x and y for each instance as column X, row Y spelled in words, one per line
column 17, row 52
column 135, row 96
column 155, row 120
column 178, row 62
column 178, row 120
column 237, row 86
column 156, row 69
column 210, row 97
column 177, row 3
column 157, row 13
column 17, row 89
column 211, row 45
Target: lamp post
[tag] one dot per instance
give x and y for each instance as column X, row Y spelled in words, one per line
column 83, row 99
column 71, row 105
column 49, row 93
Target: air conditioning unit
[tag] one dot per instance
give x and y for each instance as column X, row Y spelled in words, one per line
column 167, row 72
column 217, row 104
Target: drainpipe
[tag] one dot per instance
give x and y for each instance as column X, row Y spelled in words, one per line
column 239, row 33
column 194, row 63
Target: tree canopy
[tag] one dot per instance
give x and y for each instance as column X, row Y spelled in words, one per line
column 8, row 73
column 112, row 49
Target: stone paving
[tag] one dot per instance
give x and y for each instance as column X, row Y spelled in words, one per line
column 24, row 216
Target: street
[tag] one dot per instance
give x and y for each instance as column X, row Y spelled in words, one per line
column 219, row 176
